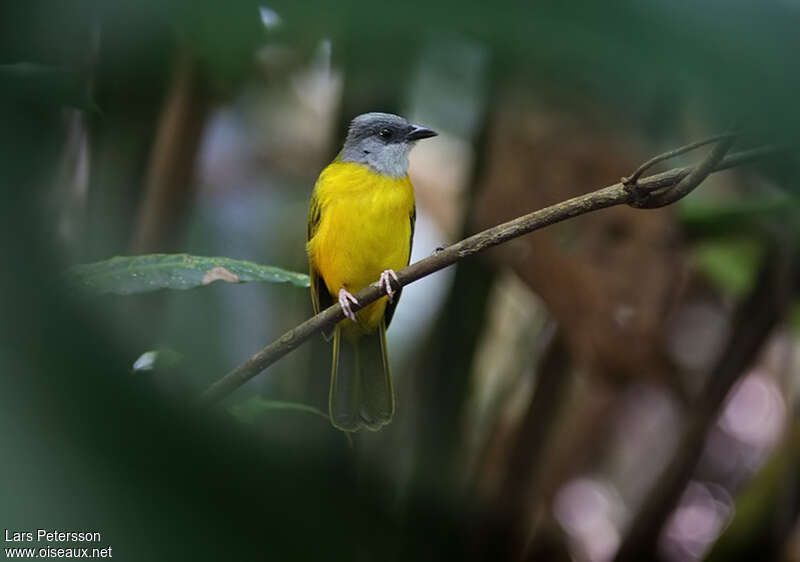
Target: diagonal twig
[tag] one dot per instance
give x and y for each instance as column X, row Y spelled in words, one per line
column 617, row 194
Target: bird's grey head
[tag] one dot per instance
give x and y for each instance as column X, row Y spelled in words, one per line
column 382, row 141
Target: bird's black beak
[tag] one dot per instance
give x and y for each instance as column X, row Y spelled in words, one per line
column 417, row 133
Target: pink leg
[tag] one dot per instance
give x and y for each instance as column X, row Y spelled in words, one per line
column 345, row 298
column 385, row 282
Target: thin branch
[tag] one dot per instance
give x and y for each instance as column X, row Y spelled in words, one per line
column 617, row 194
column 687, row 184
column 634, row 177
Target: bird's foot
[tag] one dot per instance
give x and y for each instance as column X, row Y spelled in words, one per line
column 385, row 282
column 345, row 298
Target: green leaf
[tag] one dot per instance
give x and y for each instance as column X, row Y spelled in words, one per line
column 730, row 263
column 249, row 410
column 794, row 318
column 156, row 360
column 128, row 275
column 715, row 219
column 46, row 84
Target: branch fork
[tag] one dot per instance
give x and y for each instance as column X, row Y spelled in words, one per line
column 646, row 199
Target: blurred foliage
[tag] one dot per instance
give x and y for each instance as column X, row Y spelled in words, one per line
column 731, row 59
column 730, row 263
column 794, row 317
column 730, row 237
column 57, row 87
column 766, row 507
column 128, row 275
column 157, row 360
column 89, row 446
column 252, row 408
column 754, row 216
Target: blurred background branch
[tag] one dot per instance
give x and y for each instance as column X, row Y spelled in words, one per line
column 755, row 320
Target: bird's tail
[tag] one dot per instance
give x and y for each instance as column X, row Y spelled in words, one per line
column 361, row 393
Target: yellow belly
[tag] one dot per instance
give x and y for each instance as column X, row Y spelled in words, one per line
column 364, row 228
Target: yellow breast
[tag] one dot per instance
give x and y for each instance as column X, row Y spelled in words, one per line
column 364, row 228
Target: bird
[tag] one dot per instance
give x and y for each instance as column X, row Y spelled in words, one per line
column 360, row 230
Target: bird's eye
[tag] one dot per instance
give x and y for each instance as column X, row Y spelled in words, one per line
column 385, row 133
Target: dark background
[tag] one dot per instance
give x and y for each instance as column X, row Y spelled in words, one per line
column 558, row 398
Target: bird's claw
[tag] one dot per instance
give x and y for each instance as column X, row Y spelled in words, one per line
column 385, row 282
column 345, row 298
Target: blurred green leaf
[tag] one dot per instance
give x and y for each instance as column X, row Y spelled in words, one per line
column 730, row 263
column 707, row 218
column 794, row 317
column 249, row 410
column 157, row 360
column 753, row 534
column 46, row 84
column 127, row 275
